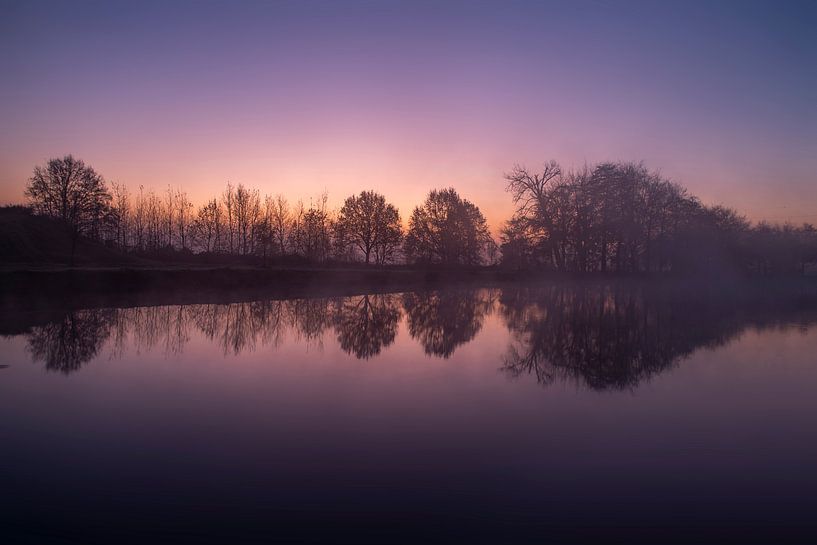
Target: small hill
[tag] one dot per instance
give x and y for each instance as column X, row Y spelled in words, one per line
column 30, row 240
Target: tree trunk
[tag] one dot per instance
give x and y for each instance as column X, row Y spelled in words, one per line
column 74, row 236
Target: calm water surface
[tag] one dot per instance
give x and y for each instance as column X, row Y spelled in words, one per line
column 529, row 414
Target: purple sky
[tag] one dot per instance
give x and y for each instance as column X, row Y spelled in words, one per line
column 404, row 97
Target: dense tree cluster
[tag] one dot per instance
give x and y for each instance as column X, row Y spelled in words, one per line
column 621, row 217
column 611, row 217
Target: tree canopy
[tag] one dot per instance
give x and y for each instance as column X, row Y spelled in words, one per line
column 617, row 217
column 370, row 225
column 447, row 230
column 72, row 192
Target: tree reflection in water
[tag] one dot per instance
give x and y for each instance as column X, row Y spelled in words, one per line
column 600, row 336
column 367, row 323
column 65, row 344
column 615, row 336
column 441, row 321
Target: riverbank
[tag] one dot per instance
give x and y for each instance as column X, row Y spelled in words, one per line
column 134, row 286
column 61, row 287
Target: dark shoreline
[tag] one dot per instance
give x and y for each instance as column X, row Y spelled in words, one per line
column 91, row 287
column 49, row 288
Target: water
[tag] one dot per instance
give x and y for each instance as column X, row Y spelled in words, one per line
column 558, row 412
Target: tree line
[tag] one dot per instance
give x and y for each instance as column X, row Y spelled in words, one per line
column 610, row 217
column 622, row 217
column 445, row 229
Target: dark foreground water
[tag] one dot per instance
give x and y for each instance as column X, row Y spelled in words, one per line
column 520, row 415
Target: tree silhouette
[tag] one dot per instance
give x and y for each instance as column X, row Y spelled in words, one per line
column 207, row 227
column 370, row 225
column 72, row 192
column 311, row 231
column 612, row 217
column 447, row 229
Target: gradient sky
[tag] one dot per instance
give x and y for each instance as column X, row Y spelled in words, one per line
column 404, row 97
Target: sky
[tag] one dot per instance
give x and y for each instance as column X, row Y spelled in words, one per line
column 401, row 97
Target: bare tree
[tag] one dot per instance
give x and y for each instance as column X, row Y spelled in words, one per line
column 183, row 217
column 535, row 223
column 168, row 211
column 207, row 227
column 120, row 217
column 311, row 230
column 280, row 222
column 247, row 210
column 613, row 216
column 154, row 213
column 389, row 242
column 72, row 192
column 228, row 200
column 368, row 223
column 447, row 229
column 140, row 220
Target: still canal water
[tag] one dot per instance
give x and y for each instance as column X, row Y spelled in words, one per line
column 497, row 415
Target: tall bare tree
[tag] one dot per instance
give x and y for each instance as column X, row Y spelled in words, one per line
column 71, row 191
column 228, row 200
column 312, row 230
column 280, row 223
column 247, row 211
column 208, row 226
column 182, row 218
column 121, row 216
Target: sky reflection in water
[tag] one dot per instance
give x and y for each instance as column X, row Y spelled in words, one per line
column 447, row 414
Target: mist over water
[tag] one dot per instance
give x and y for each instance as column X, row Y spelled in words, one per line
column 470, row 414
